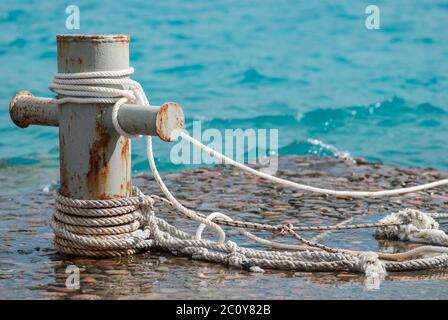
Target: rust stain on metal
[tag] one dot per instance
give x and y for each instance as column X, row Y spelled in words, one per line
column 63, row 172
column 16, row 114
column 125, row 154
column 97, row 176
column 125, row 149
column 169, row 119
column 62, row 48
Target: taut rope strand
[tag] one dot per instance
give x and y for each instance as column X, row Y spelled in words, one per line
column 294, row 185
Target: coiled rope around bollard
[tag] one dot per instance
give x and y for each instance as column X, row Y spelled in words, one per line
column 102, row 228
column 120, row 227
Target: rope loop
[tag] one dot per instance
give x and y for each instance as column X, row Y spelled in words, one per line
column 99, row 87
column 210, row 217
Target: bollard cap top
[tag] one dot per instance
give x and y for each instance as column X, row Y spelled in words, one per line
column 98, row 38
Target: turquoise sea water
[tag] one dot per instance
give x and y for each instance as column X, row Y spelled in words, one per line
column 310, row 69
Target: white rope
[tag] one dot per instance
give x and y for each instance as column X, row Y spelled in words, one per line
column 80, row 88
column 295, row 185
column 125, row 226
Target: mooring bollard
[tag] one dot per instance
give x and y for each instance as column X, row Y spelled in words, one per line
column 95, row 160
column 95, row 165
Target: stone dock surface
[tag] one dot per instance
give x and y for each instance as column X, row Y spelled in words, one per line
column 31, row 269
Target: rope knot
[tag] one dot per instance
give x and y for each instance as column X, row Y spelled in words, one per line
column 146, row 201
column 373, row 268
column 283, row 229
column 236, row 259
column 231, row 246
column 412, row 225
column 199, row 253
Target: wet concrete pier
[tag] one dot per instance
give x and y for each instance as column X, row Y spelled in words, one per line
column 30, row 268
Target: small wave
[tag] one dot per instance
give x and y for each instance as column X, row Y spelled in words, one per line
column 18, row 43
column 337, row 153
column 181, row 69
column 48, row 55
column 12, row 16
column 382, row 113
column 252, row 76
column 262, row 121
column 315, row 147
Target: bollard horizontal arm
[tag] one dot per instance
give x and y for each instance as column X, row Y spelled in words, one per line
column 26, row 109
column 164, row 121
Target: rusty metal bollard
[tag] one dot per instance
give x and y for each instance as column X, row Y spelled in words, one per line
column 95, row 160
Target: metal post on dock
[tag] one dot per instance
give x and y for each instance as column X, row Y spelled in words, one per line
column 95, row 160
